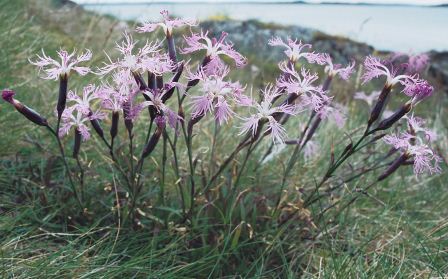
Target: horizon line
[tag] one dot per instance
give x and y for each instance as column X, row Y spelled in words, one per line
column 360, row 3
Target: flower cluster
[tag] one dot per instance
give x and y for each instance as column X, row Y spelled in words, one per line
column 143, row 78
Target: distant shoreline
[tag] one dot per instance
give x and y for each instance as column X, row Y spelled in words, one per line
column 260, row 3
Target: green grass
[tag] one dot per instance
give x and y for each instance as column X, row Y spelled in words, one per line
column 399, row 230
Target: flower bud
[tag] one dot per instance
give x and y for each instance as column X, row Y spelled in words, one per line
column 127, row 121
column 29, row 113
column 176, row 78
column 388, row 122
column 192, row 122
column 394, row 166
column 380, row 104
column 152, row 81
column 140, row 81
column 62, row 98
column 149, row 147
column 77, row 143
column 327, row 83
column 97, row 127
column 114, row 126
column 159, row 82
column 171, row 47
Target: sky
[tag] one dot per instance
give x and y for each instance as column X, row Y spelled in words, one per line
column 410, row 2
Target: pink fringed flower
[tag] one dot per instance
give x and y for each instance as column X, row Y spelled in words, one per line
column 375, row 68
column 425, row 159
column 265, row 111
column 144, row 58
column 337, row 69
column 302, row 85
column 334, row 112
column 216, row 95
column 416, row 124
column 156, row 101
column 369, row 99
column 54, row 69
column 416, row 63
column 113, row 97
column 72, row 117
column 295, row 50
column 89, row 94
column 215, row 48
column 167, row 24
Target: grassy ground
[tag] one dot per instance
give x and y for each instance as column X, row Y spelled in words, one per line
column 399, row 230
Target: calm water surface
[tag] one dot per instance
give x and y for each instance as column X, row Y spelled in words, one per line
column 397, row 28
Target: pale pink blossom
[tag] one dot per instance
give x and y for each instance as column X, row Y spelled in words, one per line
column 216, row 95
column 369, row 99
column 167, row 24
column 265, row 111
column 416, row 124
column 334, row 112
column 301, row 84
column 138, row 60
column 123, row 89
column 214, row 49
column 156, row 101
column 72, row 117
column 413, row 86
column 416, row 147
column 296, row 49
column 337, row 69
column 416, row 63
column 83, row 104
column 68, row 62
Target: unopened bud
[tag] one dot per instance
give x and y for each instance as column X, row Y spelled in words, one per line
column 149, row 147
column 77, row 143
column 29, row 113
column 62, row 98
column 176, row 78
column 114, row 126
column 380, row 104
column 394, row 166
column 171, row 47
column 397, row 115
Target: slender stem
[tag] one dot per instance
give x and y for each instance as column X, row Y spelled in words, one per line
column 240, row 172
column 334, row 166
column 189, row 140
column 212, row 153
column 373, row 168
column 61, row 150
column 148, row 134
column 162, row 182
column 348, row 203
column 81, row 177
column 131, row 159
column 176, row 170
column 288, row 168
